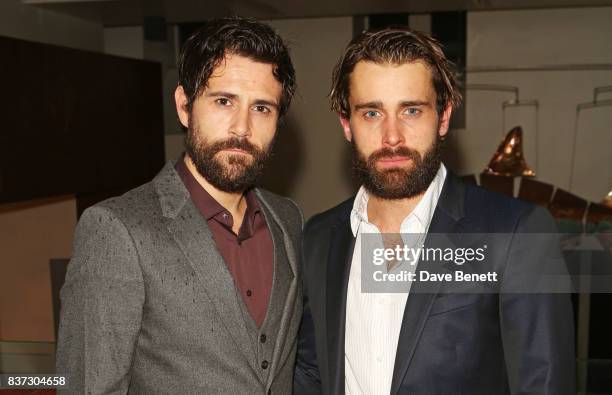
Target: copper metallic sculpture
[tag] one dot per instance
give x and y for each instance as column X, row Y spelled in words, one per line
column 607, row 201
column 508, row 160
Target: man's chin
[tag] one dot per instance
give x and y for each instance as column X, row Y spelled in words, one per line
column 234, row 173
column 390, row 184
column 232, row 161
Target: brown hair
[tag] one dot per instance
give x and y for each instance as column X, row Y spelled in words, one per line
column 395, row 45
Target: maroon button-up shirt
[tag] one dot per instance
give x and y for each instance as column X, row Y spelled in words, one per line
column 249, row 255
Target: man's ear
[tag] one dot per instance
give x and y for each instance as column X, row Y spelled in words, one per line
column 180, row 100
column 445, row 120
column 346, row 128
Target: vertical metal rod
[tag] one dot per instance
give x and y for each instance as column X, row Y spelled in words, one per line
column 600, row 89
column 496, row 88
column 579, row 108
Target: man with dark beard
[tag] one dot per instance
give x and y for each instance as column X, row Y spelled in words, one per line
column 394, row 91
column 189, row 284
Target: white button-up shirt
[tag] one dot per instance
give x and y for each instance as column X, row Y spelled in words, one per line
column 373, row 320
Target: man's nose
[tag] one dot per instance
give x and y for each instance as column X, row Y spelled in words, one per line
column 392, row 134
column 240, row 123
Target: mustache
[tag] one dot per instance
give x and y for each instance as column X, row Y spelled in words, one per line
column 390, row 153
column 234, row 143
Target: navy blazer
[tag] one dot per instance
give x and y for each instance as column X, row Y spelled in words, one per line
column 493, row 343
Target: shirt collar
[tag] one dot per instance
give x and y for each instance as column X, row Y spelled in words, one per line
column 252, row 210
column 422, row 213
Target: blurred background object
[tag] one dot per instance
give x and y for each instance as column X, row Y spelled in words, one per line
column 508, row 159
column 607, row 200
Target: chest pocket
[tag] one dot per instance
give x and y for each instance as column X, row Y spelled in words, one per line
column 445, row 303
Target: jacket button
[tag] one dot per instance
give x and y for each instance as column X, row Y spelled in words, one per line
column 264, row 365
column 262, row 338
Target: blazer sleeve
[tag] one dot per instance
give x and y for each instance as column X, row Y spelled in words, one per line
column 307, row 378
column 537, row 325
column 102, row 300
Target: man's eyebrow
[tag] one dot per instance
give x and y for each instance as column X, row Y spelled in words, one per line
column 371, row 104
column 415, row 103
column 221, row 94
column 257, row 102
column 378, row 104
column 263, row 102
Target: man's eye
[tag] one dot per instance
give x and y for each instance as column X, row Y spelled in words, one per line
column 223, row 101
column 413, row 111
column 263, row 109
column 371, row 114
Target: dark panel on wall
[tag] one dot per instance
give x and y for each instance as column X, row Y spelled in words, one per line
column 76, row 122
column 381, row 21
column 155, row 28
column 450, row 28
column 185, row 30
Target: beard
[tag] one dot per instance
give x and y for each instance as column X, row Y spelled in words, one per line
column 397, row 183
column 237, row 172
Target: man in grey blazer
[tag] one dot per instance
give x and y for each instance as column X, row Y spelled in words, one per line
column 189, row 284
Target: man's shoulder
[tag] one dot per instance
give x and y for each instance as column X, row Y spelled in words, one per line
column 477, row 196
column 501, row 213
column 135, row 205
column 330, row 217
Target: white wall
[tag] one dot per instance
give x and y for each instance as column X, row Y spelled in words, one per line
column 32, row 23
column 540, row 37
column 323, row 174
column 534, row 38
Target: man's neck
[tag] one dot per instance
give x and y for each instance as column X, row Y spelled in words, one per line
column 235, row 203
column 388, row 214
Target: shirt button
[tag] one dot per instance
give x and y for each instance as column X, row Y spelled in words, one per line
column 262, row 338
column 249, row 293
column 264, row 365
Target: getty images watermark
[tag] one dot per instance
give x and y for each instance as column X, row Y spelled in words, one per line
column 387, row 258
column 481, row 263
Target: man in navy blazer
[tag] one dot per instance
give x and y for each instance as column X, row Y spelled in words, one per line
column 395, row 91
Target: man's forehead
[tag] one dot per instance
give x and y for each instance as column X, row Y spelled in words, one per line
column 387, row 79
column 233, row 61
column 381, row 69
column 238, row 74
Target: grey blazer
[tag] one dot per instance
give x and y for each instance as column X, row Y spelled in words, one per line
column 149, row 306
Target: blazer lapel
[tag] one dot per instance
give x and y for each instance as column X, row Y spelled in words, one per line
column 338, row 269
column 193, row 236
column 422, row 294
column 284, row 254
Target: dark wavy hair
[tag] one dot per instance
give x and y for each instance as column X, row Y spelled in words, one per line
column 396, row 45
column 208, row 46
